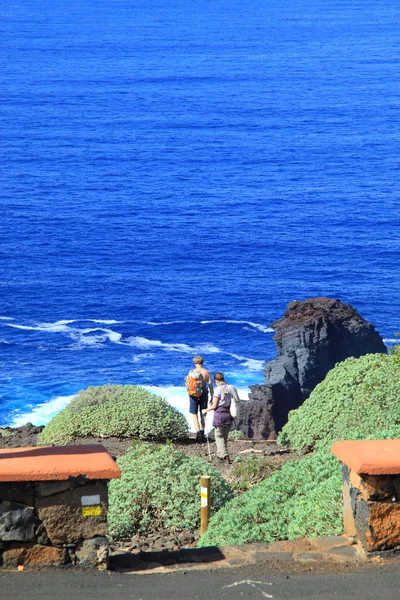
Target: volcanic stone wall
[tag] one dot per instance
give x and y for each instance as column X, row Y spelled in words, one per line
column 53, row 523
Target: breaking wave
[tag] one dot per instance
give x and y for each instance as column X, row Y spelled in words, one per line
column 42, row 413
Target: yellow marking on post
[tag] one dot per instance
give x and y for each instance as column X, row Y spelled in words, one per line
column 91, row 511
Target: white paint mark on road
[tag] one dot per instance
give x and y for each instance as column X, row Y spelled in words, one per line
column 252, row 584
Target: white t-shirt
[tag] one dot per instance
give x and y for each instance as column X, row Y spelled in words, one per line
column 222, row 392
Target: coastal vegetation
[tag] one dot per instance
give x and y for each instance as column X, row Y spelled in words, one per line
column 257, row 501
column 357, row 400
column 116, row 410
column 303, row 498
column 159, row 491
column 247, row 470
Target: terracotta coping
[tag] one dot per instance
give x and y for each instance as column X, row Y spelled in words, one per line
column 49, row 463
column 369, row 457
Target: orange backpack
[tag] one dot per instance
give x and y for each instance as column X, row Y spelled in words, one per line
column 195, row 383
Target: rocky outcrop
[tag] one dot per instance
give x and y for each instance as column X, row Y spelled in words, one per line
column 19, row 437
column 310, row 339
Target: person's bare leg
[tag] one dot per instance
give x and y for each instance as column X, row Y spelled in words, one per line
column 202, row 420
column 196, row 422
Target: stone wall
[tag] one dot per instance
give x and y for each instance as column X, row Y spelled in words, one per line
column 54, row 523
column 372, row 509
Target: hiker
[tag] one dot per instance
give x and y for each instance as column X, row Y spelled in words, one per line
column 197, row 381
column 224, row 394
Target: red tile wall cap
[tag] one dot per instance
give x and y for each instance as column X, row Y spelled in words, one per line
column 369, row 457
column 54, row 463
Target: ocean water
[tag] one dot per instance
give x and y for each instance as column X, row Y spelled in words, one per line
column 172, row 174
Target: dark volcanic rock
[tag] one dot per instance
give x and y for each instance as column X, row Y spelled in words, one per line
column 255, row 417
column 19, row 437
column 16, row 522
column 311, row 338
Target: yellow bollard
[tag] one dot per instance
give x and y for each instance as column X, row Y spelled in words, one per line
column 205, row 502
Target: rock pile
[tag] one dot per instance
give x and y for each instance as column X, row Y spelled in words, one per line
column 311, row 338
column 157, row 542
column 19, row 437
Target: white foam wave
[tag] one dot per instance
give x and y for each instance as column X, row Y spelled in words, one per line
column 251, row 363
column 57, row 327
column 258, row 326
column 42, row 413
column 105, row 321
column 6, row 319
column 208, row 349
column 141, row 342
column 113, row 336
column 165, row 322
column 391, row 341
column 79, row 335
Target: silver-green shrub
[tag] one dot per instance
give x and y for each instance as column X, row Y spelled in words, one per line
column 159, row 490
column 359, row 399
column 356, row 399
column 116, row 410
column 302, row 499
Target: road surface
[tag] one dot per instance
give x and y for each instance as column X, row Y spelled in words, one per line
column 371, row 583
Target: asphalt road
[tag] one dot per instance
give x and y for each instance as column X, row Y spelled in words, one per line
column 372, row 583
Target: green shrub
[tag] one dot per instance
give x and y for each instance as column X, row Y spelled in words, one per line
column 248, row 470
column 159, row 490
column 236, row 435
column 118, row 410
column 5, row 432
column 357, row 399
column 395, row 351
column 303, row 498
column 97, row 395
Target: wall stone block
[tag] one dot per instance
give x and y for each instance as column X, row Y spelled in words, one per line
column 17, row 522
column 17, row 492
column 49, row 488
column 34, row 556
column 62, row 514
column 93, row 553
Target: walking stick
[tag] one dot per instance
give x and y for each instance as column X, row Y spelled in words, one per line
column 206, row 434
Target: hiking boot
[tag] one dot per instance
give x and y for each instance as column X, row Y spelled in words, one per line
column 200, row 436
column 226, row 459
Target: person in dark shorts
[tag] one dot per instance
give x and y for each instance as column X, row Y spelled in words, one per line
column 198, row 381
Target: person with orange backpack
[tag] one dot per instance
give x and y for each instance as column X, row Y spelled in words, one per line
column 197, row 381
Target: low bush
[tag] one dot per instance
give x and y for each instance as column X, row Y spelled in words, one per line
column 236, row 435
column 303, row 498
column 248, row 470
column 356, row 400
column 159, row 490
column 115, row 410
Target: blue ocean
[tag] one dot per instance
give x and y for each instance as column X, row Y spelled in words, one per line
column 172, row 174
